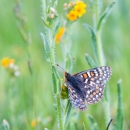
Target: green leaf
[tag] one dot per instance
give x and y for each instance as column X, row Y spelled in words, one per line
column 120, row 115
column 93, row 123
column 56, row 80
column 93, row 39
column 67, row 114
column 90, row 61
column 104, row 16
column 47, row 47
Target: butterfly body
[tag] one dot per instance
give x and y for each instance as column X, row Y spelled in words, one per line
column 87, row 86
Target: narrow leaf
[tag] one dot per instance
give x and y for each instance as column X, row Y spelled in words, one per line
column 120, row 115
column 104, row 16
column 93, row 123
column 93, row 39
column 90, row 61
column 47, row 47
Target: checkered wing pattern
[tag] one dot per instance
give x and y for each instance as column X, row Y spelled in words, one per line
column 94, row 82
column 75, row 99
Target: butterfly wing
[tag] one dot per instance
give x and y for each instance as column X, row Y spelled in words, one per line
column 94, row 82
column 76, row 99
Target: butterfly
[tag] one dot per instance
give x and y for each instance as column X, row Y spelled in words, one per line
column 87, row 86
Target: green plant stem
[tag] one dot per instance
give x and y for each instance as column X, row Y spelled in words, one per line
column 55, row 76
column 58, row 102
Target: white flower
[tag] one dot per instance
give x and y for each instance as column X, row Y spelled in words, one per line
column 52, row 10
column 16, row 73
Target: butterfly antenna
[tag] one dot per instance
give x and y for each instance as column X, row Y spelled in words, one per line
column 60, row 67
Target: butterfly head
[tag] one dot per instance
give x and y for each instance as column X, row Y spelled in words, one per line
column 67, row 75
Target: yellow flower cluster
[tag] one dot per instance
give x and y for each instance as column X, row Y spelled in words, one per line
column 6, row 62
column 9, row 64
column 60, row 34
column 77, row 11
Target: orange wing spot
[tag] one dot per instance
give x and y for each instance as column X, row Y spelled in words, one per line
column 70, row 89
column 97, row 91
column 85, row 75
column 97, row 87
column 91, row 96
column 92, row 73
column 94, row 93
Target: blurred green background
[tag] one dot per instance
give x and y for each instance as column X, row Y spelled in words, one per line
column 16, row 95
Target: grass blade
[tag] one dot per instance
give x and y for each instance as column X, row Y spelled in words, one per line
column 120, row 115
column 93, row 123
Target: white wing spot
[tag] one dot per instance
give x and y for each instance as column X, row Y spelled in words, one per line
column 85, row 86
column 88, row 92
column 97, row 81
column 89, row 74
column 86, row 80
column 96, row 96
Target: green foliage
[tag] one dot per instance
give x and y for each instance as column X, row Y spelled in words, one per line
column 47, row 47
column 90, row 61
column 93, row 39
column 104, row 16
column 93, row 123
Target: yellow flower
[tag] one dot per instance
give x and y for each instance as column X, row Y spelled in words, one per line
column 60, row 34
column 33, row 123
column 80, row 10
column 81, row 4
column 5, row 62
column 72, row 15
